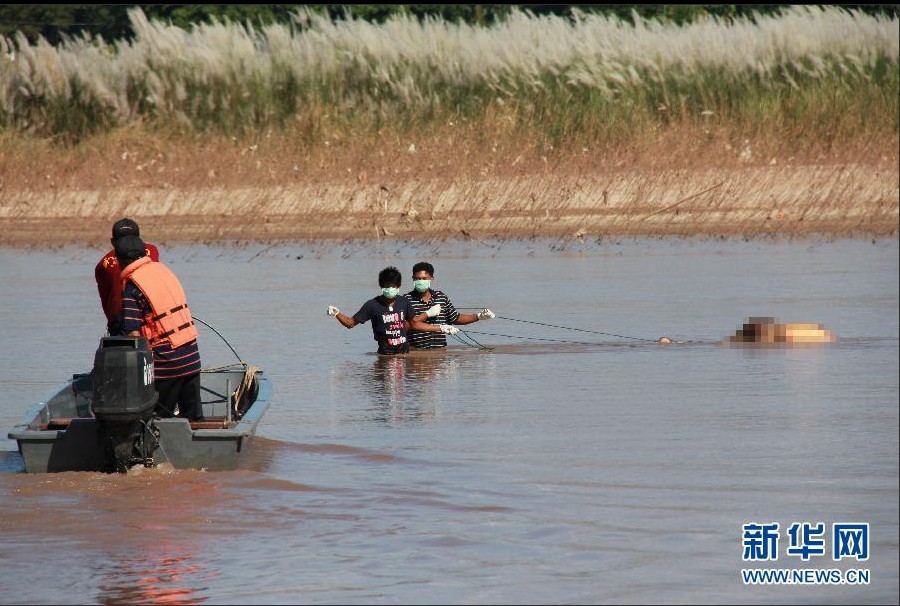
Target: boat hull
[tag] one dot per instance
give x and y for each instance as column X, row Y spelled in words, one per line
column 60, row 434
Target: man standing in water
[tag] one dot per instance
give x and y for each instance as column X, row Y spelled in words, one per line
column 391, row 315
column 109, row 276
column 155, row 307
column 423, row 297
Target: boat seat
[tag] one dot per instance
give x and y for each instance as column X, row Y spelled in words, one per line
column 57, row 423
column 210, row 423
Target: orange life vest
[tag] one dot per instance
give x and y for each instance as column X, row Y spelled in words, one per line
column 171, row 318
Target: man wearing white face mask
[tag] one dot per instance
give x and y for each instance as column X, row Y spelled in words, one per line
column 423, row 298
column 391, row 315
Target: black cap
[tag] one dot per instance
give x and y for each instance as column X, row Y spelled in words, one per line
column 125, row 227
column 129, row 248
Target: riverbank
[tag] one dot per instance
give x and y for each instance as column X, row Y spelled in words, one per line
column 840, row 200
column 447, row 185
column 435, row 130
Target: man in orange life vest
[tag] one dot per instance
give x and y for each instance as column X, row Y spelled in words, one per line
column 154, row 306
column 108, row 276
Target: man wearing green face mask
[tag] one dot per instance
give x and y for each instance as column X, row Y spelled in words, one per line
column 392, row 316
column 423, row 298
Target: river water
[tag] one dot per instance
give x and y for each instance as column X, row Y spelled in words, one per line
column 560, row 466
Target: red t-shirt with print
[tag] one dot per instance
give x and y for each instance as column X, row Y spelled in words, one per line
column 109, row 281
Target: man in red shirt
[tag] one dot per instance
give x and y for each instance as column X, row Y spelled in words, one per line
column 108, row 275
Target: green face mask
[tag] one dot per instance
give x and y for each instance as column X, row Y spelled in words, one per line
column 390, row 292
column 422, row 285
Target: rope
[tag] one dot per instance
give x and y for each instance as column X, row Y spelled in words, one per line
column 232, row 366
column 221, row 337
column 596, row 332
column 244, row 388
column 471, row 341
column 491, row 334
column 249, row 373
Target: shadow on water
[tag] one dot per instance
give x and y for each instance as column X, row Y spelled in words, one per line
column 258, row 459
column 341, row 450
column 406, row 388
column 11, row 462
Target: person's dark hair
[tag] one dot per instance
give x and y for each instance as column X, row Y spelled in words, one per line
column 423, row 266
column 129, row 249
column 125, row 227
column 389, row 276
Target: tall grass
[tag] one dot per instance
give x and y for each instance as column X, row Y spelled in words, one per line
column 810, row 72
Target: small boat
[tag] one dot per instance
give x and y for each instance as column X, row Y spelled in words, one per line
column 78, row 428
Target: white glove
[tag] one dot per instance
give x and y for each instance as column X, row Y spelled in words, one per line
column 333, row 311
column 433, row 311
column 448, row 329
column 486, row 314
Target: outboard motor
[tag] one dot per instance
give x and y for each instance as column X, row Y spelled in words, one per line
column 124, row 399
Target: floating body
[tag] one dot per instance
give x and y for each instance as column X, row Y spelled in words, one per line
column 767, row 331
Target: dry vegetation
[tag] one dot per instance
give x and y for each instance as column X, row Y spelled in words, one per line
column 535, row 128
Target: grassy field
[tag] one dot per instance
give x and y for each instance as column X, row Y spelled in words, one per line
column 534, row 126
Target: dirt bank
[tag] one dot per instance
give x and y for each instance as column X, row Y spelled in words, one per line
column 226, row 190
column 840, row 201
